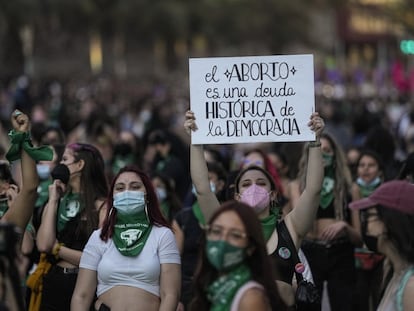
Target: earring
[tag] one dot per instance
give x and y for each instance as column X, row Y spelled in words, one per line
column 110, row 212
column 146, row 212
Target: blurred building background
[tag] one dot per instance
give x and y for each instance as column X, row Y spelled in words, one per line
column 129, row 38
column 84, row 64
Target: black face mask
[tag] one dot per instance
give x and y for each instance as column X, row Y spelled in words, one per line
column 371, row 242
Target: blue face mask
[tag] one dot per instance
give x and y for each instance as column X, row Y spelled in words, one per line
column 43, row 170
column 130, row 202
column 161, row 193
column 373, row 183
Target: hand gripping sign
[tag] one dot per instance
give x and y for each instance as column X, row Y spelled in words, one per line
column 252, row 99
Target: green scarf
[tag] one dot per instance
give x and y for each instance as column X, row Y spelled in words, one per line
column 130, row 233
column 69, row 208
column 43, row 193
column 269, row 222
column 222, row 291
column 4, row 206
column 21, row 140
column 199, row 214
column 328, row 185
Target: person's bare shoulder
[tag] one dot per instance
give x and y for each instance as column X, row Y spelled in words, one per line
column 254, row 299
column 408, row 300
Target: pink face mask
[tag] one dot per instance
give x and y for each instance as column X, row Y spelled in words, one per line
column 257, row 197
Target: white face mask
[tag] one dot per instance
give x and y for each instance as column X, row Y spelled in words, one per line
column 212, row 187
column 43, row 170
column 129, row 202
column 161, row 193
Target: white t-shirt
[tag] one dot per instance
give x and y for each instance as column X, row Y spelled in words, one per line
column 142, row 271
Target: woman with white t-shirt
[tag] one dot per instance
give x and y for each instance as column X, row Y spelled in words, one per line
column 133, row 260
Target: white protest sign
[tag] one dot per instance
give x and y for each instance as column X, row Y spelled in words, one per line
column 252, row 99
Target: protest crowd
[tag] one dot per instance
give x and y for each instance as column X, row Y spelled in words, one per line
column 128, row 213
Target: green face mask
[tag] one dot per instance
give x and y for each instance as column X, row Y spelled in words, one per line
column 224, row 256
column 327, row 159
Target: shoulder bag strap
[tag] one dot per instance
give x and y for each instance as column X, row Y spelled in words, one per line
column 283, row 231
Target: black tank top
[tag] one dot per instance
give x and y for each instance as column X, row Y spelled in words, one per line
column 282, row 256
column 328, row 212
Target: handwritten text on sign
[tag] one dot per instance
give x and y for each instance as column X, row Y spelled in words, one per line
column 252, row 99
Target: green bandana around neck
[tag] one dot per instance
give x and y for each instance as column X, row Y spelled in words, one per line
column 366, row 189
column 69, row 208
column 328, row 185
column 4, row 206
column 269, row 223
column 21, row 140
column 199, row 214
column 131, row 232
column 222, row 291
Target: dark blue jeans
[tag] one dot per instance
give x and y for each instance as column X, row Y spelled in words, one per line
column 333, row 263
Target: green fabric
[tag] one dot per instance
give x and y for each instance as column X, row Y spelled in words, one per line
column 131, row 232
column 199, row 214
column 43, row 193
column 223, row 255
column 165, row 209
column 366, row 189
column 4, row 206
column 328, row 185
column 121, row 161
column 269, row 223
column 21, row 140
column 69, row 208
column 401, row 288
column 222, row 291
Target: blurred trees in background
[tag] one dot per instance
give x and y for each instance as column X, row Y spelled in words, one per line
column 172, row 28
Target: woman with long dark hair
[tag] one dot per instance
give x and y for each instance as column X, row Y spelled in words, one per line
column 75, row 208
column 133, row 261
column 234, row 258
column 257, row 188
column 387, row 221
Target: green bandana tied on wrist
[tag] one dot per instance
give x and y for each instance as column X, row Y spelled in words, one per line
column 269, row 223
column 130, row 233
column 222, row 291
column 21, row 140
column 69, row 208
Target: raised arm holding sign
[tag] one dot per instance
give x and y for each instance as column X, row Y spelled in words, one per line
column 255, row 187
column 252, row 99
column 258, row 99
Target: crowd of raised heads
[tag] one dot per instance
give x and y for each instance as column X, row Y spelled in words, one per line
column 117, row 208
column 106, row 111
